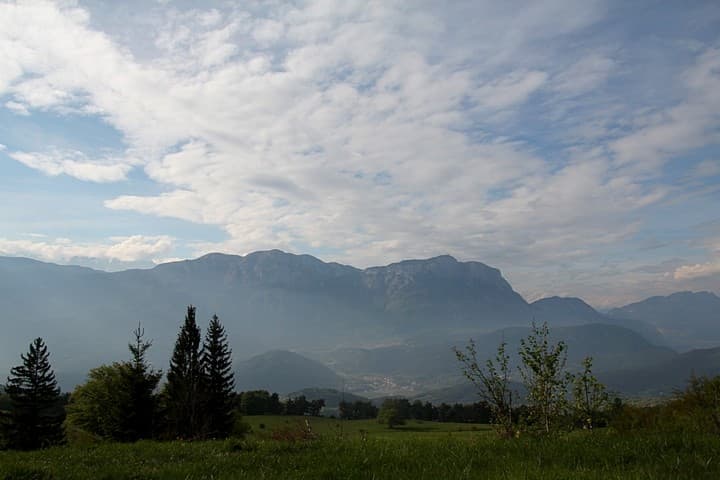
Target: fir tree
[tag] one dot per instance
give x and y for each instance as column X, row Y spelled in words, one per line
column 185, row 379
column 219, row 383
column 36, row 413
column 142, row 381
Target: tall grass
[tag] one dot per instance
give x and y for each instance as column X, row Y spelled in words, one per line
column 581, row 455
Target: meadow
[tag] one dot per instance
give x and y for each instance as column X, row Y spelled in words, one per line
column 367, row 450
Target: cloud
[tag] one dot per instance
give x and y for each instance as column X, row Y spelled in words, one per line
column 369, row 129
column 682, row 127
column 123, row 249
column 706, row 168
column 74, row 164
column 17, row 108
column 698, row 270
column 510, row 90
column 584, row 75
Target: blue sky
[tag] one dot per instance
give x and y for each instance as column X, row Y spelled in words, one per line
column 573, row 145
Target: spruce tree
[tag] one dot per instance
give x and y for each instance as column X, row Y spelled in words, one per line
column 141, row 381
column 219, row 382
column 36, row 410
column 185, row 379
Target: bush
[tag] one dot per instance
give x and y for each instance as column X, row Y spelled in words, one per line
column 241, row 428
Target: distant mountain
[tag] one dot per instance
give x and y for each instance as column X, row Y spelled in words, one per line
column 567, row 311
column 269, row 300
column 666, row 377
column 283, row 372
column 411, row 368
column 658, row 379
column 686, row 319
column 464, row 392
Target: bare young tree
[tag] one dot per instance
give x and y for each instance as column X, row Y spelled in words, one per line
column 493, row 384
column 590, row 397
column 543, row 372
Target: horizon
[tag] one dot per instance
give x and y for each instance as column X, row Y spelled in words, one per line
column 573, row 146
column 528, row 300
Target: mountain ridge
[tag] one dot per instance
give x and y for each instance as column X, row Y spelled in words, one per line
column 268, row 300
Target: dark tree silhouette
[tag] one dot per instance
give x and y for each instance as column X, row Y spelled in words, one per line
column 219, row 382
column 185, row 379
column 142, row 381
column 36, row 410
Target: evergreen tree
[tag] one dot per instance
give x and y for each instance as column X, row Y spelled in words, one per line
column 219, row 382
column 185, row 379
column 141, row 381
column 36, row 410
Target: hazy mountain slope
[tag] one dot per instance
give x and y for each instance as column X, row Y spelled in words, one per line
column 666, row 377
column 686, row 319
column 425, row 366
column 661, row 379
column 283, row 372
column 268, row 300
column 566, row 311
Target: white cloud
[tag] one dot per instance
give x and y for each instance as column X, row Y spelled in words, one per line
column 17, row 108
column 697, row 270
column 689, row 124
column 74, row 164
column 369, row 129
column 584, row 75
column 510, row 90
column 123, row 249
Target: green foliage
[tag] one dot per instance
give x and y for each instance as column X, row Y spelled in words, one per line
column 590, row 398
column 391, row 413
column 357, row 410
column 493, row 384
column 544, row 376
column 259, row 402
column 117, row 402
column 100, row 405
column 219, row 384
column 700, row 403
column 36, row 412
column 183, row 393
column 695, row 409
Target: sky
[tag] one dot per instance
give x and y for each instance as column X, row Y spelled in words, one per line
column 574, row 145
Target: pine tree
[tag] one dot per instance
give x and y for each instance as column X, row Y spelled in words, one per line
column 219, row 383
column 185, row 379
column 36, row 413
column 142, row 381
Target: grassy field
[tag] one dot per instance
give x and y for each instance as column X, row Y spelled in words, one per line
column 329, row 427
column 365, row 450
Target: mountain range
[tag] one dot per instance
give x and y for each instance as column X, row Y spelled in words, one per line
column 384, row 329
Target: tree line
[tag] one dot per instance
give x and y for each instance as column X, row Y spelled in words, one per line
column 122, row 401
